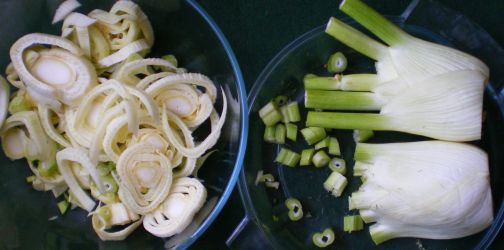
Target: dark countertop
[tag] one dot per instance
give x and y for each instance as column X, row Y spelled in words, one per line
column 257, row 30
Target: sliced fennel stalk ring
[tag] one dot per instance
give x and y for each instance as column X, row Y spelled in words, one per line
column 73, row 74
column 125, row 74
column 145, row 177
column 184, row 78
column 36, row 146
column 112, row 215
column 186, row 197
column 63, row 158
column 194, row 152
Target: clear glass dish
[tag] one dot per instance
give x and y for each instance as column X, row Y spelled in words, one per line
column 181, row 28
column 283, row 75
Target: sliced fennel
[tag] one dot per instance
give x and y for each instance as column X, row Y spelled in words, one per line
column 65, row 8
column 87, row 117
column 144, row 176
column 4, row 99
column 70, row 74
column 186, row 197
column 429, row 189
column 112, row 215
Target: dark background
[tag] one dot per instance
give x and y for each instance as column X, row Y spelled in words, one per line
column 258, row 29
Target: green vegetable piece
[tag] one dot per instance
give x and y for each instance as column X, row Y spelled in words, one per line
column 19, row 103
column 63, row 206
column 292, row 159
column 335, row 184
column 282, row 155
column 110, row 184
column 46, row 169
column 105, row 168
column 272, row 184
column 172, row 59
column 337, row 63
column 313, row 135
column 270, row 114
column 338, row 165
column 31, row 178
column 334, row 148
column 293, row 112
column 295, row 209
column 280, row 100
column 360, row 135
column 285, row 114
column 306, row 157
column 322, row 144
column 280, row 133
column 291, row 131
column 320, row 159
column 263, row 178
column 269, row 134
column 105, row 213
column 352, row 223
column 323, row 239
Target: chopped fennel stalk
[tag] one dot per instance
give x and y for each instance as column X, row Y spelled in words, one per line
column 337, row 63
column 281, row 156
column 323, row 239
column 335, row 184
column 352, row 223
column 313, row 135
column 263, row 178
column 334, row 148
column 323, row 144
column 295, row 209
column 306, row 157
column 288, row 157
column 293, row 112
column 320, row 159
column 270, row 114
column 338, row 165
column 285, row 114
column 273, row 184
column 291, row 131
column 280, row 100
column 280, row 133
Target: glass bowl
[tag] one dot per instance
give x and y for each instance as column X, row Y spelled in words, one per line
column 284, row 76
column 181, row 28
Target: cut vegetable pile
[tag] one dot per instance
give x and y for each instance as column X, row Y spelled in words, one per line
column 106, row 129
column 427, row 189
